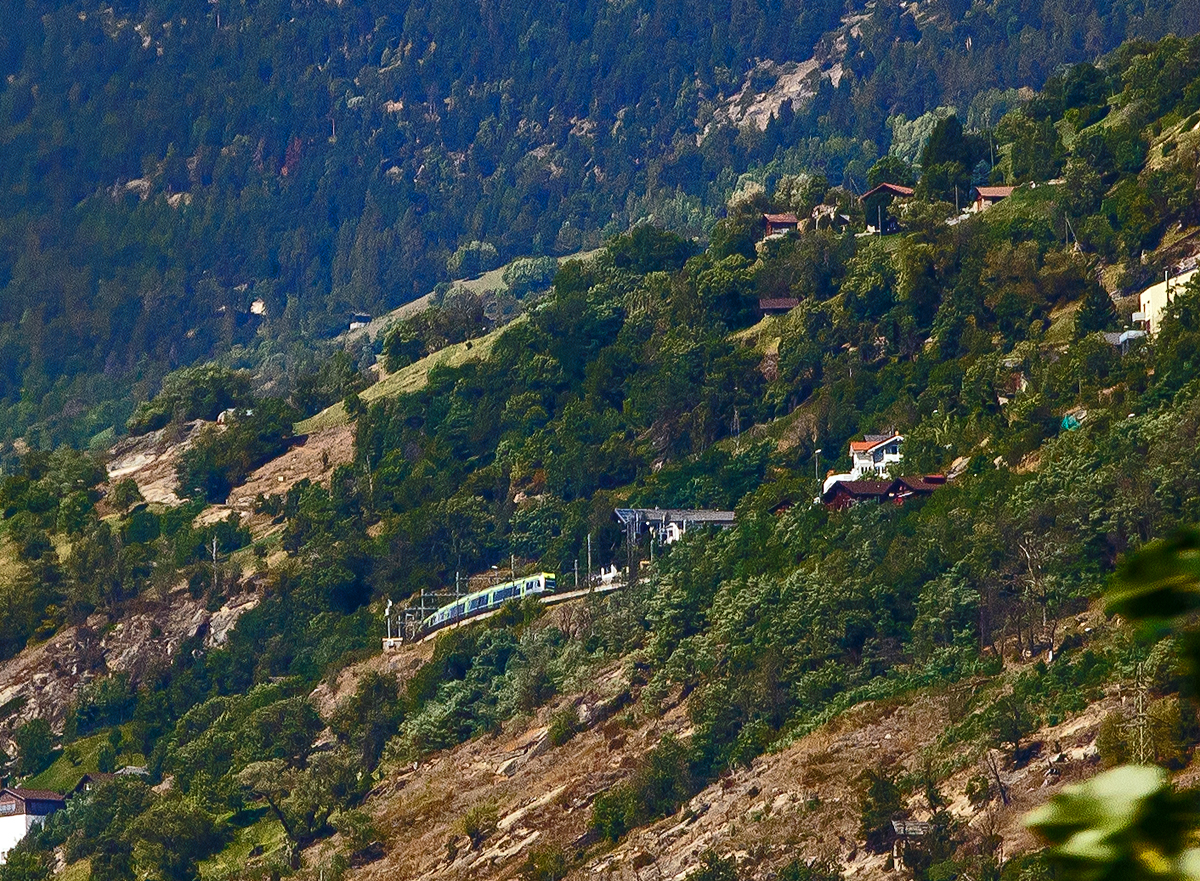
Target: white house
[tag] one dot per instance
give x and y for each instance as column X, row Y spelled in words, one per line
column 1154, row 299
column 871, row 457
column 20, row 811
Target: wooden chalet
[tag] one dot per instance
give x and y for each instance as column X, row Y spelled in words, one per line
column 845, row 493
column 21, row 810
column 876, row 202
column 34, row 802
column 88, row 782
column 896, row 191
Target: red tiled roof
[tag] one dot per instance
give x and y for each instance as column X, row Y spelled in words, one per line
column 781, row 218
column 994, row 192
column 863, row 445
column 770, row 303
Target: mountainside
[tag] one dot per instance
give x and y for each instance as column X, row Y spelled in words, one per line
column 165, row 165
column 873, row 678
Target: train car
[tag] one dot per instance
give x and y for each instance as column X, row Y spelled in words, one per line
column 489, row 600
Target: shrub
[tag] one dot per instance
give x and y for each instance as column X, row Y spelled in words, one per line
column 881, row 804
column 979, row 790
column 100, row 704
column 35, row 747
column 811, row 870
column 1111, row 741
column 715, row 868
column 479, row 822
column 564, row 725
column 219, row 460
column 530, row 274
column 547, row 863
column 358, row 831
column 659, row 787
column 472, row 259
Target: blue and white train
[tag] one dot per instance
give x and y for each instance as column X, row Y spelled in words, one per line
column 488, row 600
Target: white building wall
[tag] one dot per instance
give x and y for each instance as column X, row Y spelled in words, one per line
column 1155, row 298
column 13, row 828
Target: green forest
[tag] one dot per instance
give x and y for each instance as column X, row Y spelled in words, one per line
column 645, row 376
column 164, row 165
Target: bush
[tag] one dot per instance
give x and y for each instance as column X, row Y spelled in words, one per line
column 472, row 259
column 219, row 460
column 881, row 804
column 547, row 863
column 1111, row 741
column 100, row 704
column 530, row 274
column 979, row 790
column 359, row 833
column 35, row 747
column 657, row 790
column 479, row 822
column 564, row 725
column 715, row 868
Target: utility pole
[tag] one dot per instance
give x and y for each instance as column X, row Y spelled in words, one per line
column 387, row 616
column 214, row 565
column 577, row 573
column 817, row 472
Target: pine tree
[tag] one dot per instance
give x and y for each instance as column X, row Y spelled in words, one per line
column 1096, row 313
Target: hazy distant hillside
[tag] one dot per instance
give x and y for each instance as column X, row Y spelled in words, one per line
column 164, row 163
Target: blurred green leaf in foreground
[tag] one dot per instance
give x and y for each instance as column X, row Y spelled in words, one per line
column 1130, row 823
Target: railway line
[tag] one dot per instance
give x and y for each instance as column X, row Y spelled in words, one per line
column 547, row 599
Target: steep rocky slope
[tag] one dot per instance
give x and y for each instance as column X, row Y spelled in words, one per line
column 798, row 801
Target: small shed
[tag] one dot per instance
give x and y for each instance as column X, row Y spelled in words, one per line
column 777, row 305
column 986, row 197
column 779, row 224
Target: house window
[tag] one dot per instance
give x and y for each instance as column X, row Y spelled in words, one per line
column 8, row 807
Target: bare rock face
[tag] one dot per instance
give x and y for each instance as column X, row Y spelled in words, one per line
column 44, row 679
column 150, row 460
